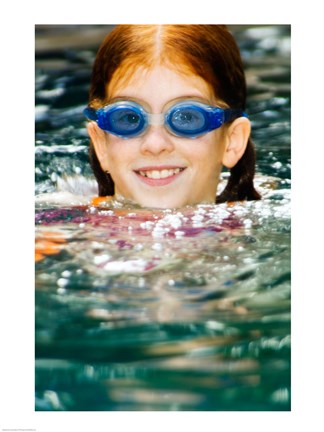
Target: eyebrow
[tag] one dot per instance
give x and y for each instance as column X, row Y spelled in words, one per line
column 169, row 103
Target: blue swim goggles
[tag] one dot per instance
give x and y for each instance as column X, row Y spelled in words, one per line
column 188, row 119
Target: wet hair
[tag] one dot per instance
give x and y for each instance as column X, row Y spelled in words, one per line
column 209, row 51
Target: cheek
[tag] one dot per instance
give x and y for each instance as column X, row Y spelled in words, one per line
column 116, row 150
column 121, row 154
column 211, row 149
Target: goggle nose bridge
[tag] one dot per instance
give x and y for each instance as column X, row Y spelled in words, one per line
column 156, row 119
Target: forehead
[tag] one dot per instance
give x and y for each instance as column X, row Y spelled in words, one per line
column 158, row 85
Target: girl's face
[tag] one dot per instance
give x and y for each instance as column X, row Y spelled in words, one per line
column 158, row 169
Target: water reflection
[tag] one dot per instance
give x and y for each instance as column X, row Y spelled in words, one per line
column 147, row 314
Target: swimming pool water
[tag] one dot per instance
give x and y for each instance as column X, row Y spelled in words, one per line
column 185, row 309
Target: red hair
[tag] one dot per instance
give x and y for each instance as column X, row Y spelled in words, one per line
column 209, row 51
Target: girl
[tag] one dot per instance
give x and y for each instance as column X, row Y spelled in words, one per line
column 167, row 113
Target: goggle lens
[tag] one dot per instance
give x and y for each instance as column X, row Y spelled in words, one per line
column 121, row 119
column 126, row 121
column 187, row 120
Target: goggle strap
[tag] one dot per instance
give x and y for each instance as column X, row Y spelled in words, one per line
column 90, row 113
column 230, row 114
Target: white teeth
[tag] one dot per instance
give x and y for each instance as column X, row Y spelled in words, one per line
column 155, row 174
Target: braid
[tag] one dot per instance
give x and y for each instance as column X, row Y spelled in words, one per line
column 106, row 185
column 240, row 184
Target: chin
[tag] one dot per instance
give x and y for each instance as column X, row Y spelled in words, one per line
column 172, row 203
column 163, row 206
column 160, row 203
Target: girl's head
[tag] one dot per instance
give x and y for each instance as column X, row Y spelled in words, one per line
column 156, row 67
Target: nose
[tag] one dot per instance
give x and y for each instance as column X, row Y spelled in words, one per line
column 156, row 140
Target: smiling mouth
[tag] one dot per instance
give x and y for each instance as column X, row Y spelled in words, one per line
column 155, row 174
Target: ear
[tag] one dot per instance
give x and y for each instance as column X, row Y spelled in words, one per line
column 99, row 141
column 237, row 137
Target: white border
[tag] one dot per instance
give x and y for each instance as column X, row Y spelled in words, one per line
column 17, row 78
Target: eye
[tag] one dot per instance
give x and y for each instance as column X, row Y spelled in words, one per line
column 185, row 117
column 130, row 118
column 125, row 119
column 188, row 118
